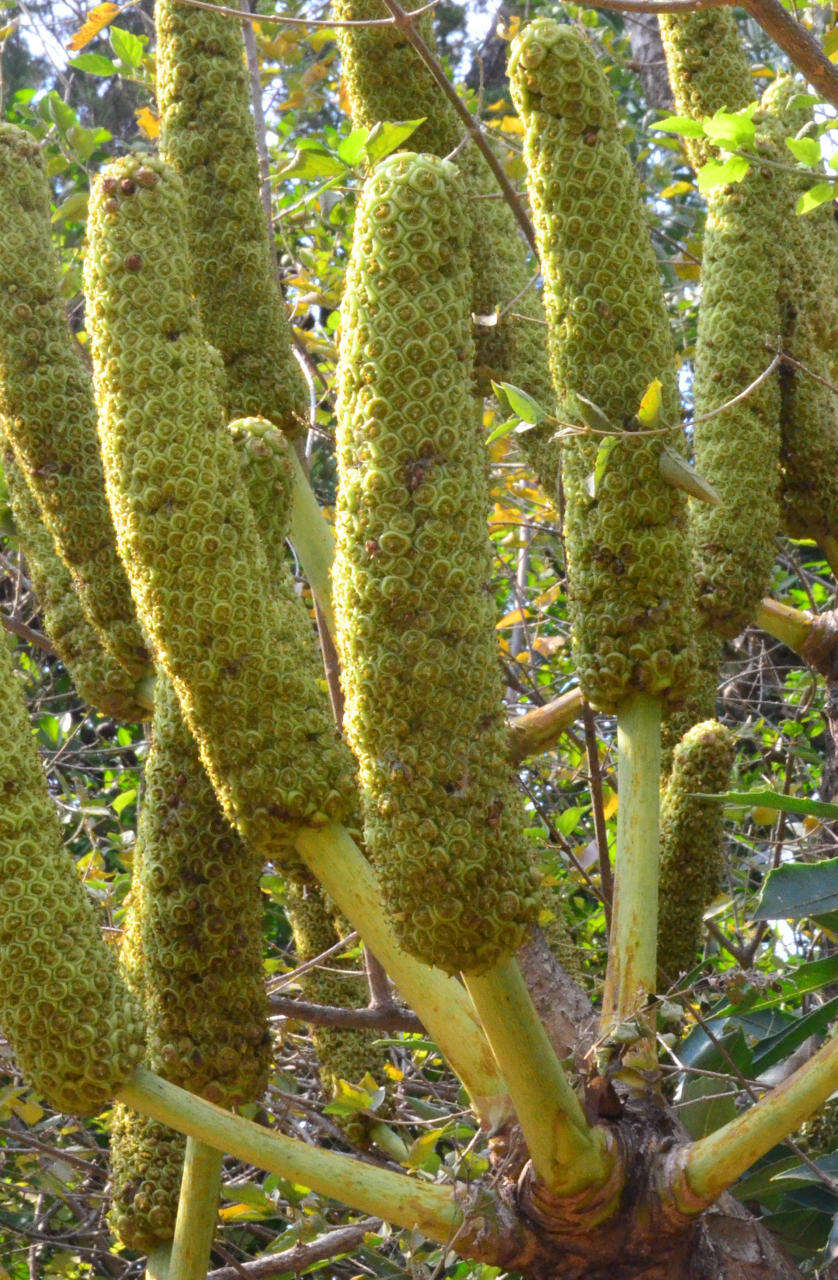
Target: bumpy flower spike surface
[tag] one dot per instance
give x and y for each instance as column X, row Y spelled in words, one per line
column 738, row 449
column 342, row 1054
column 208, row 137
column 691, row 838
column 47, row 404
column 708, row 69
column 98, row 677
column 809, row 408
column 424, row 708
column 192, row 953
column 386, row 80
column 234, row 649
column 76, row 1032
column 609, row 339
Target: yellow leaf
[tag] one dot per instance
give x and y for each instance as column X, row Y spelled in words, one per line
column 511, row 124
column 810, row 823
column 650, row 405
column 27, row 1110
column 611, row 800
column 95, row 22
column 393, row 1073
column 763, row 816
column 686, row 270
column 148, row 122
column 548, row 645
column 510, row 619
column 676, row 189
column 5, row 32
column 551, row 594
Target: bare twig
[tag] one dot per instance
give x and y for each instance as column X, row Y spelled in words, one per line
column 284, row 19
column 300, row 1257
column 376, row 1018
column 605, row 874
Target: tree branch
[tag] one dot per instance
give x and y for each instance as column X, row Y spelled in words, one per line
column 300, row 1257
column 390, row 1018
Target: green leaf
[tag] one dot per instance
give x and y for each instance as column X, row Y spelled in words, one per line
column 127, row 47
column 797, row 890
column 716, row 173
column 775, row 800
column 53, row 108
column 706, row 1104
column 123, row 800
column 731, row 130
column 503, row 429
column 816, row 196
column 603, row 457
column 682, row 125
column 73, row 209
column 424, row 1148
column 589, row 412
column 351, row 148
column 386, row 137
column 806, row 150
column 810, row 976
column 774, row 1048
column 95, row 64
column 520, row 402
column 313, row 162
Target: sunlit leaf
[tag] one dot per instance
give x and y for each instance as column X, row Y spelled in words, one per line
column 816, row 196
column 148, row 122
column 684, row 126
column 387, row 136
column 95, row 22
column 806, row 150
column 650, row 405
column 95, row 64
column 718, row 173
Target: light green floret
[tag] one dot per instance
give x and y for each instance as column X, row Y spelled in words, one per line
column 738, row 449
column 691, row 840
column 424, row 709
column 386, row 80
column 809, row 409
column 75, row 1031
column 235, row 652
column 98, row 678
column 208, row 138
column 708, row 69
column 47, row 405
column 609, row 339
column 192, row 953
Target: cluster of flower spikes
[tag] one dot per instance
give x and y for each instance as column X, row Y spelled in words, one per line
column 342, row 1054
column 47, row 404
column 691, row 838
column 234, row 650
column 76, row 1032
column 97, row 676
column 424, row 709
column 193, row 954
column 386, row 80
column 809, row 408
column 207, row 135
column 708, row 69
column 609, row 339
column 738, row 449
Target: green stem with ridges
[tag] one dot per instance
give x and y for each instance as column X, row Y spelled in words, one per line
column 313, row 541
column 157, row 1262
column 566, row 1153
column 399, row 1199
column 632, row 950
column 197, row 1211
column 713, row 1164
column 332, row 856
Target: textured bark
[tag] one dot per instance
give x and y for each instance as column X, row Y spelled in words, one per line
column 647, row 58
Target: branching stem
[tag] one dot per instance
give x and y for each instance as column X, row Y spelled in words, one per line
column 197, row 1211
column 632, row 950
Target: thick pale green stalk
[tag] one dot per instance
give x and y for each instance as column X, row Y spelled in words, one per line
column 157, row 1263
column 404, row 1201
column 197, row 1211
column 788, row 625
column 565, row 1152
column 332, row 856
column 313, row 541
column 713, row 1164
column 633, row 943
